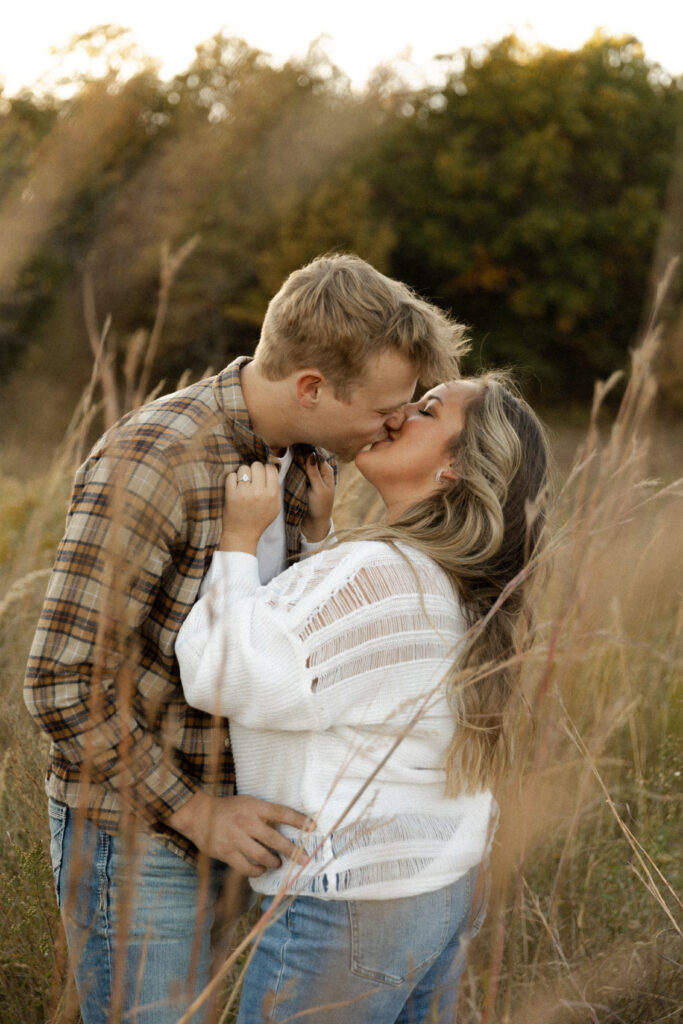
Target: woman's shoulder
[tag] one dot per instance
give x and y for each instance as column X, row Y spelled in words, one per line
column 387, row 575
column 376, row 553
column 321, row 573
column 394, row 560
column 365, row 552
column 348, row 554
column 368, row 573
column 338, row 562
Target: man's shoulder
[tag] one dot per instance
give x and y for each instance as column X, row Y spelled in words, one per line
column 176, row 428
column 169, row 419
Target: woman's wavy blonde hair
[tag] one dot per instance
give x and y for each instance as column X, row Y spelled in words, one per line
column 486, row 531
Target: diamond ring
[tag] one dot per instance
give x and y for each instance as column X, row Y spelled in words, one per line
column 245, row 477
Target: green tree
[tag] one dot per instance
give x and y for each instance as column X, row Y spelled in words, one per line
column 527, row 195
column 248, row 143
column 63, row 156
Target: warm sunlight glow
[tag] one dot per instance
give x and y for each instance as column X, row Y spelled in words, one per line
column 357, row 35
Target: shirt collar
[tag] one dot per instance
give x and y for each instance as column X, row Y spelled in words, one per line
column 227, row 389
column 228, row 393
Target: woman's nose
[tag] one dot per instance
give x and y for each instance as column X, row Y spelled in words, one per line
column 396, row 420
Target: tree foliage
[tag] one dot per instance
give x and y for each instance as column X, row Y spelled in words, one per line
column 526, row 193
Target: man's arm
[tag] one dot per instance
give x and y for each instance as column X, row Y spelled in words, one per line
column 82, row 674
column 81, row 682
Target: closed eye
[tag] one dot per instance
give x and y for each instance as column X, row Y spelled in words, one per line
column 424, row 412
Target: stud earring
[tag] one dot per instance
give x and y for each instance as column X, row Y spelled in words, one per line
column 439, row 476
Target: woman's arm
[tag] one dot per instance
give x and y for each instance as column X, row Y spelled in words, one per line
column 252, row 501
column 345, row 628
column 269, row 657
column 239, row 651
column 125, row 516
column 316, row 524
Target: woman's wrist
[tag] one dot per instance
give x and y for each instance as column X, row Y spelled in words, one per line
column 315, row 530
column 238, row 541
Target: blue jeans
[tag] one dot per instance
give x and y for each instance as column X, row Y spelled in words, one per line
column 138, row 927
column 364, row 961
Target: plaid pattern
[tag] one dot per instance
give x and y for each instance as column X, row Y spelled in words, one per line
column 102, row 678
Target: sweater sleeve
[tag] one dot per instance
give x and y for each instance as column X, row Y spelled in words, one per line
column 237, row 655
column 253, row 653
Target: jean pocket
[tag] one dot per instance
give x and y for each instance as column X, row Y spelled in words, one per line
column 392, row 939
column 57, row 813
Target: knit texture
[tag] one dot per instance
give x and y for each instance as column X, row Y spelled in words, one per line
column 331, row 677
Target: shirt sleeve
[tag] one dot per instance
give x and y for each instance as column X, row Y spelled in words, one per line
column 249, row 652
column 125, row 517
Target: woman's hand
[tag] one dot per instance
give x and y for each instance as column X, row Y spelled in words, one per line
column 252, row 501
column 316, row 523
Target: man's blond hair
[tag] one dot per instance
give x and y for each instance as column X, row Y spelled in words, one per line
column 338, row 312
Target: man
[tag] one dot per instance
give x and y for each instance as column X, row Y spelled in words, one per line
column 143, row 812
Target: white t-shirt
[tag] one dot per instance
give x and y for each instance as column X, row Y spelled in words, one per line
column 271, row 552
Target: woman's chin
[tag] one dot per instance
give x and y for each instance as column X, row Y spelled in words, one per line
column 363, row 461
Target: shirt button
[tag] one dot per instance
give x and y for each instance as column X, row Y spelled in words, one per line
column 226, row 741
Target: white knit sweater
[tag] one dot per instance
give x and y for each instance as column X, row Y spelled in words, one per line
column 332, row 666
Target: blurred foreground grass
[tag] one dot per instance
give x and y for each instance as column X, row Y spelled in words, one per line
column 584, row 920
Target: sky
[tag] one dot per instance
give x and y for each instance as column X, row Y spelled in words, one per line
column 363, row 33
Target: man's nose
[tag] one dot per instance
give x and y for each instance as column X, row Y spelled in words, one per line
column 396, row 420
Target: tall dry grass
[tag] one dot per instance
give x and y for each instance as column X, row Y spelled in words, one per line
column 584, row 918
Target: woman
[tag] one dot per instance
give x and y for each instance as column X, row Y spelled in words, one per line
column 367, row 686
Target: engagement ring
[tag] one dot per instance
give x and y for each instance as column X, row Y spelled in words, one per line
column 245, row 477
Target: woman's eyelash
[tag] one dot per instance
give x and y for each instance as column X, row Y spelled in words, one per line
column 424, row 412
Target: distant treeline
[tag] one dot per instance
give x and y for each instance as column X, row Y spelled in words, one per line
column 531, row 193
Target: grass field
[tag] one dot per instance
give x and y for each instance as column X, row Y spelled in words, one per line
column 584, row 919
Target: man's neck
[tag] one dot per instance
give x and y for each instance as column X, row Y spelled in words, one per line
column 266, row 403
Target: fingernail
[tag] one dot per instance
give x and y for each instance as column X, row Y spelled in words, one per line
column 313, row 458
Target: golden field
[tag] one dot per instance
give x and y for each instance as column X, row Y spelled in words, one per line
column 584, row 923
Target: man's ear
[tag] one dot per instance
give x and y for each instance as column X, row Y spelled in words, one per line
column 308, row 385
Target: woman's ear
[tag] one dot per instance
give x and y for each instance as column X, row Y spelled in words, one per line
column 308, row 384
column 447, row 473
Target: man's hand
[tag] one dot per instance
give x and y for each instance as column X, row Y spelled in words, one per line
column 252, row 501
column 238, row 830
column 316, row 523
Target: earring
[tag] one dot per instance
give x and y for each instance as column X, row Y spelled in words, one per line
column 439, row 476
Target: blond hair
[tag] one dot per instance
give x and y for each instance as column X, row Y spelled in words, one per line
column 486, row 531
column 338, row 311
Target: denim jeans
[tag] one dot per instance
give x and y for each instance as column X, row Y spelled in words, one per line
column 138, row 928
column 364, row 961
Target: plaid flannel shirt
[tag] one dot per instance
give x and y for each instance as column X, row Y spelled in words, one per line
column 102, row 679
